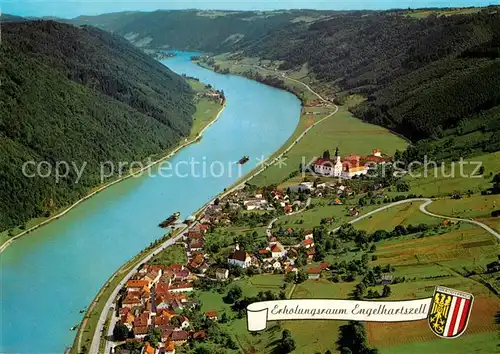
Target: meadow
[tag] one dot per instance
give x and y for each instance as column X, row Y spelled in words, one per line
column 478, row 207
column 404, row 214
column 447, row 180
column 342, row 130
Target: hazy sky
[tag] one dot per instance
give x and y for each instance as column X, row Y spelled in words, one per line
column 69, row 8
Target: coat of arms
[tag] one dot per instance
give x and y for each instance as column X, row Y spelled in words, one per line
column 449, row 312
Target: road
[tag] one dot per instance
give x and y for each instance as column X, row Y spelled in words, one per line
column 425, row 211
column 94, row 348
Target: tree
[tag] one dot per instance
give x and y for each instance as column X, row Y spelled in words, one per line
column 386, row 291
column 223, row 318
column 120, row 332
column 287, row 343
column 153, row 337
column 175, row 321
column 353, row 337
column 301, row 277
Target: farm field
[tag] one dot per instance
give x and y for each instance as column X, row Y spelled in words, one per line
column 175, row 254
column 404, row 214
column 350, row 134
column 466, row 245
column 311, row 218
column 478, row 207
column 449, row 182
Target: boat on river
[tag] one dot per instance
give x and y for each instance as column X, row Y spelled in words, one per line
column 170, row 220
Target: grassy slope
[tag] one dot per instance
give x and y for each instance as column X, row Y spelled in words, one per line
column 343, row 130
column 430, row 185
column 404, row 214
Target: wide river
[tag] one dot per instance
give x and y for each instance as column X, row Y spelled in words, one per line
column 51, row 274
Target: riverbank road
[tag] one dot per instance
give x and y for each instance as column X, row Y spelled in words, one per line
column 94, row 348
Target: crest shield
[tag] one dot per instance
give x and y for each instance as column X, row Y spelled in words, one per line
column 449, row 312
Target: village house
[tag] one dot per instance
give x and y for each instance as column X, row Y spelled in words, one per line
column 134, row 285
column 132, row 299
column 169, row 348
column 211, row 315
column 222, row 273
column 386, row 279
column 140, row 332
column 148, row 349
column 314, row 273
column 179, row 337
column 198, row 263
column 310, row 254
column 277, row 250
column 181, row 287
column 239, row 258
column 308, row 243
column 255, row 203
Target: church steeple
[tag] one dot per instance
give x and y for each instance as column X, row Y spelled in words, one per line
column 337, row 156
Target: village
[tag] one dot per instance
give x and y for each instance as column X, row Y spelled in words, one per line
column 154, row 308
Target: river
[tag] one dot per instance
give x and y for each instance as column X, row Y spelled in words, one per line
column 51, row 274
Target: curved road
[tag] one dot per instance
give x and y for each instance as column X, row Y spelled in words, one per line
column 425, row 211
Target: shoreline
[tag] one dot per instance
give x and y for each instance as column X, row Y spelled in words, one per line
column 8, row 242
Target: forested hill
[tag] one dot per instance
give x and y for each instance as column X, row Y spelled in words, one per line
column 426, row 74
column 212, row 31
column 79, row 95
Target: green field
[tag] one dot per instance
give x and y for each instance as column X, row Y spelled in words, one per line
column 175, row 254
column 403, row 214
column 484, row 343
column 437, row 183
column 206, row 111
column 478, row 207
column 350, row 134
column 320, row 209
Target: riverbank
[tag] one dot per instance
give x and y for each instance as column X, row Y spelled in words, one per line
column 196, row 135
column 87, row 327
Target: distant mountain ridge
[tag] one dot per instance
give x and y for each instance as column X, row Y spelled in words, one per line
column 79, row 95
column 432, row 76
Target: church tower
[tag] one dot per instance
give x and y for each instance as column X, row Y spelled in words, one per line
column 337, row 169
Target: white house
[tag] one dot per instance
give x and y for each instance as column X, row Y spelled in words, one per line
column 239, row 258
column 278, row 251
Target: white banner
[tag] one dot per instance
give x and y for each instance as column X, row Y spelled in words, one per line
column 259, row 313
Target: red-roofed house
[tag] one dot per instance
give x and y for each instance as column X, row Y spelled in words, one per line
column 277, row 250
column 212, row 315
column 314, row 273
column 240, row 258
column 179, row 337
column 148, row 349
column 140, row 332
column 132, row 299
column 169, row 348
column 308, row 243
column 135, row 285
column 181, row 287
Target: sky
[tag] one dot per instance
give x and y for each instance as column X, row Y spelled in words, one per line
column 71, row 8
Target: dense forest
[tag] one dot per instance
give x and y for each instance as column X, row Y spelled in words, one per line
column 78, row 95
column 435, row 79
